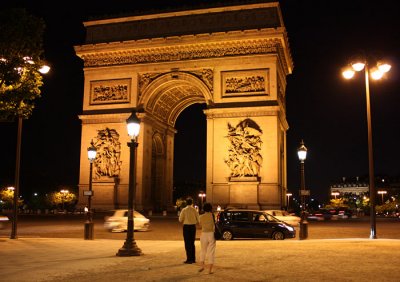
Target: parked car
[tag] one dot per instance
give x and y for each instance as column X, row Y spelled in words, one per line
column 285, row 216
column 3, row 221
column 118, row 222
column 238, row 223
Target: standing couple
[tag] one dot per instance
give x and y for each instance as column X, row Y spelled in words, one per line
column 189, row 217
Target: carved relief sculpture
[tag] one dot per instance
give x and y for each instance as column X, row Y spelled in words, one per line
column 245, row 83
column 108, row 147
column 244, row 159
column 110, row 91
column 205, row 75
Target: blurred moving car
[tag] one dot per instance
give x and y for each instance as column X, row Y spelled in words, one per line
column 284, row 216
column 118, row 222
column 320, row 215
column 3, row 221
column 238, row 223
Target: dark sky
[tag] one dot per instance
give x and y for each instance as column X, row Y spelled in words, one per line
column 323, row 109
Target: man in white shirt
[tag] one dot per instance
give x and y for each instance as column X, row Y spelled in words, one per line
column 189, row 217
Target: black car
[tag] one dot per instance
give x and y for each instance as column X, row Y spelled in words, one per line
column 239, row 223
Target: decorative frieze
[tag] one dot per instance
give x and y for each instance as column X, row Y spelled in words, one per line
column 205, row 75
column 184, row 52
column 247, row 112
column 113, row 91
column 245, row 83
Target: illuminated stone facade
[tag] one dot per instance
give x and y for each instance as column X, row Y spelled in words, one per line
column 233, row 58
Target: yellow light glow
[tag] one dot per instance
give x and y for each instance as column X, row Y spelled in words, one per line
column 376, row 73
column 384, row 67
column 348, row 73
column 44, row 69
column 358, row 66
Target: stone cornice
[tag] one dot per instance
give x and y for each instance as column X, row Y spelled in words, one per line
column 104, row 118
column 186, row 48
column 244, row 112
column 181, row 13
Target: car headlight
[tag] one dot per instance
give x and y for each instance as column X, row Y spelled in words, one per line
column 290, row 228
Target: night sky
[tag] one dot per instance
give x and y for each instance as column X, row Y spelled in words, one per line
column 323, row 109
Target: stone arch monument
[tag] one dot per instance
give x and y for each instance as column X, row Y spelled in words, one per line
column 235, row 59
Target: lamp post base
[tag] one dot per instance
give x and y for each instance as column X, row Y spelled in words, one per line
column 129, row 249
column 303, row 230
column 88, row 234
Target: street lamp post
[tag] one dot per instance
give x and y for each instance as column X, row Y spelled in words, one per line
column 130, row 248
column 335, row 194
column 89, row 215
column 382, row 193
column 64, row 193
column 43, row 70
column 376, row 72
column 288, row 195
column 302, row 154
column 202, row 195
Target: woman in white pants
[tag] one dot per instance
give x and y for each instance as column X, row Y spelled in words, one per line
column 207, row 238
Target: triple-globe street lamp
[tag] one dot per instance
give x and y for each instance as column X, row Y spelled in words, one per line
column 376, row 72
column 130, row 248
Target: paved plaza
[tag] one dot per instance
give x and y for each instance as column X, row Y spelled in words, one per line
column 42, row 259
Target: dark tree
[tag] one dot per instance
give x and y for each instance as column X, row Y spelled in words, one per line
column 21, row 50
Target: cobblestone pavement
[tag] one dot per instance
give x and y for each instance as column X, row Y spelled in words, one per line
column 39, row 259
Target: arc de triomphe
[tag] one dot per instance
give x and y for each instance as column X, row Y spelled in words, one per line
column 235, row 59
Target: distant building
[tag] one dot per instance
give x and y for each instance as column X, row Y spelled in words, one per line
column 350, row 185
column 359, row 186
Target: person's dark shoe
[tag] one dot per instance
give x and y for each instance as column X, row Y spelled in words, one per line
column 188, row 262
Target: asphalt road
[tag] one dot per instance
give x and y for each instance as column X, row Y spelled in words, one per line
column 168, row 228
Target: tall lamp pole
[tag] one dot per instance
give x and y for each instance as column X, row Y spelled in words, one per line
column 377, row 72
column 64, row 192
column 16, row 185
column 43, row 70
column 92, row 152
column 130, row 248
column 302, row 154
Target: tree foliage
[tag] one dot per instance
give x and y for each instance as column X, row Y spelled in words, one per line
column 21, row 40
column 59, row 199
column 7, row 198
column 388, row 207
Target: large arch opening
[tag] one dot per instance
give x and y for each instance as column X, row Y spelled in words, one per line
column 190, row 152
column 175, row 128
